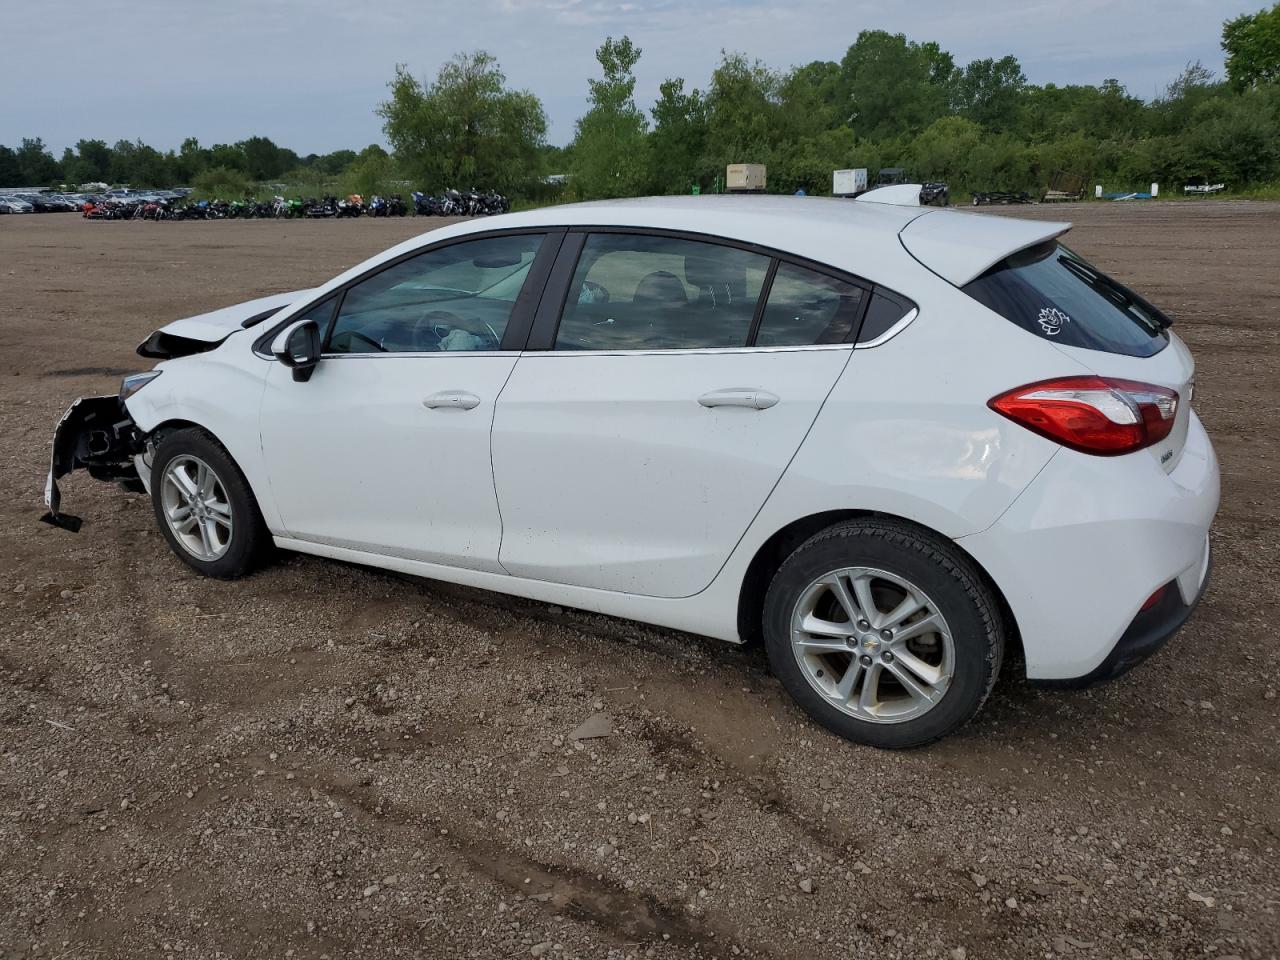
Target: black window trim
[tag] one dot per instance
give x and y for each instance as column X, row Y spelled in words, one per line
column 546, row 325
column 522, row 312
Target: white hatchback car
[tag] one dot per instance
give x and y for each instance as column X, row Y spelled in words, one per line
column 895, row 442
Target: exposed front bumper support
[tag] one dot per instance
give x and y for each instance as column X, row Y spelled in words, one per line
column 98, row 435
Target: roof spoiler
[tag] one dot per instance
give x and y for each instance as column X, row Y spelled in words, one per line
column 960, row 247
column 899, row 194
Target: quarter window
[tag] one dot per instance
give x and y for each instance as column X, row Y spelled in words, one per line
column 636, row 292
column 321, row 313
column 805, row 308
column 454, row 298
column 884, row 310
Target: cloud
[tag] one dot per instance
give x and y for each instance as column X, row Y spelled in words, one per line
column 309, row 73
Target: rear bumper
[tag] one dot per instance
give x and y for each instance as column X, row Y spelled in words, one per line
column 1151, row 629
column 1084, row 546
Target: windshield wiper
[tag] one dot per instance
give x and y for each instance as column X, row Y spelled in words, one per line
column 1121, row 295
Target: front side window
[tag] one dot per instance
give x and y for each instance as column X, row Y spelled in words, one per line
column 806, row 308
column 454, row 298
column 1055, row 294
column 636, row 292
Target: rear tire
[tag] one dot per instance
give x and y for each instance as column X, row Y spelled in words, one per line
column 204, row 506
column 884, row 633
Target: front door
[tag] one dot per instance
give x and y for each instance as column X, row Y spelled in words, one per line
column 634, row 454
column 386, row 448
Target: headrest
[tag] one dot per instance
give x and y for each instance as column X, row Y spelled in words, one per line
column 703, row 272
column 660, row 286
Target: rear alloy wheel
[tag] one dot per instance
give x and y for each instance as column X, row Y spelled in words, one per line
column 873, row 644
column 883, row 633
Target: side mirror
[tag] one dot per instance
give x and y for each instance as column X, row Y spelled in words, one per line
column 298, row 346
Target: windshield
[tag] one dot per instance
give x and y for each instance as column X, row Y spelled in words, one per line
column 1057, row 295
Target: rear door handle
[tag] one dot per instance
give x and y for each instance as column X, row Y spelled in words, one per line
column 451, row 400
column 739, row 397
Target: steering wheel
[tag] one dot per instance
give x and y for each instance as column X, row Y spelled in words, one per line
column 442, row 323
column 357, row 335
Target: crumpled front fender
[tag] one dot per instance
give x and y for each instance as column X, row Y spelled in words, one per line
column 95, row 434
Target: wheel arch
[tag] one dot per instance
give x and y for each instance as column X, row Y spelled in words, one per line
column 260, row 490
column 177, row 423
column 771, row 554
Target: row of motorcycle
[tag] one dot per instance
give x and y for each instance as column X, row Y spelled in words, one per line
column 451, row 203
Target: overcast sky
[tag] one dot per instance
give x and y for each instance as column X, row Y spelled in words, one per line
column 308, row 73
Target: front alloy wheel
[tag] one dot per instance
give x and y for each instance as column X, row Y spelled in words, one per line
column 204, row 505
column 197, row 508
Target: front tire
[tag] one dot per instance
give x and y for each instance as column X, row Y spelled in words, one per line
column 204, row 506
column 883, row 633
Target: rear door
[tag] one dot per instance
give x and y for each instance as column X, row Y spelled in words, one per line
column 676, row 382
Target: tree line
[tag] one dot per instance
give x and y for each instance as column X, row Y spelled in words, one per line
column 889, row 101
column 93, row 161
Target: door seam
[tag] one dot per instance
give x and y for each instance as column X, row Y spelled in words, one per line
column 769, row 496
column 493, row 471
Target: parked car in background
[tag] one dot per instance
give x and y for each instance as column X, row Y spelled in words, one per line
column 895, row 443
column 12, row 204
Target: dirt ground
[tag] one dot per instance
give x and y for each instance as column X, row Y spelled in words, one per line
column 326, row 761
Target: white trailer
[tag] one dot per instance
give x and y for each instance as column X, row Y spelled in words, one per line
column 848, row 183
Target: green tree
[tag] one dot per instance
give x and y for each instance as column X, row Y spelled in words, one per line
column 813, row 98
column 330, row 163
column 36, row 166
column 807, row 163
column 223, row 183
column 1171, row 114
column 894, row 85
column 678, row 140
column 89, row 161
column 1101, row 112
column 743, row 103
column 1252, row 45
column 370, row 174
column 139, row 165
column 263, row 160
column 943, row 150
column 10, row 168
column 465, row 129
column 989, row 92
column 609, row 149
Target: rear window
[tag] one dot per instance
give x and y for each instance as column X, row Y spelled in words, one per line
column 1056, row 295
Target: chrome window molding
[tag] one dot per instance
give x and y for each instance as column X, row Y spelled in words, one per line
column 686, row 350
column 892, row 332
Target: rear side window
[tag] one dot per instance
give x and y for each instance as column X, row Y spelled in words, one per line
column 638, row 292
column 806, row 308
column 1056, row 295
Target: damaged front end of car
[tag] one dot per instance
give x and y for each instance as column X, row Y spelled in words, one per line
column 98, row 435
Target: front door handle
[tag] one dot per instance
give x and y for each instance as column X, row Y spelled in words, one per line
column 451, row 400
column 739, row 397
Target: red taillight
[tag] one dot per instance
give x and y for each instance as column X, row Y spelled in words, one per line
column 1152, row 600
column 1098, row 415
